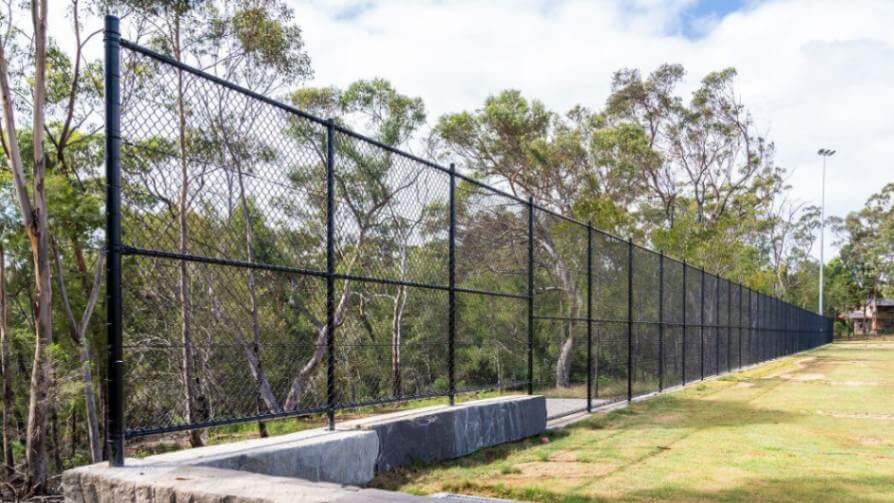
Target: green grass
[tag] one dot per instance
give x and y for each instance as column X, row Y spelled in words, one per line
column 818, row 426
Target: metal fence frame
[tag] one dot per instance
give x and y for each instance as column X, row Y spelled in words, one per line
column 773, row 328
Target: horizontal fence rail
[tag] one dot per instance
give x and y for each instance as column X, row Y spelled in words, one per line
column 267, row 263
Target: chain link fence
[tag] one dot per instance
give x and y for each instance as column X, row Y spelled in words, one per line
column 267, row 263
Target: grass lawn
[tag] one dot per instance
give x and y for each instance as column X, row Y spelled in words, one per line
column 818, row 426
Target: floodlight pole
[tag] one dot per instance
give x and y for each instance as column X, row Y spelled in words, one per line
column 824, row 153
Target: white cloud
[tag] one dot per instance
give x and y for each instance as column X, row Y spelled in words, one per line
column 814, row 73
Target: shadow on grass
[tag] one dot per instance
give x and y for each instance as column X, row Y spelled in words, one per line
column 394, row 479
column 687, row 415
column 852, row 489
column 697, row 414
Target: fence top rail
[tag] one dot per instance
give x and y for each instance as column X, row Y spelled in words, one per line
column 346, row 131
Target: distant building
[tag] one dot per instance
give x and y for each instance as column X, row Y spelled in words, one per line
column 876, row 318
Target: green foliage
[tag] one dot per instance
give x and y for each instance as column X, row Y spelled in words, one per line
column 867, row 247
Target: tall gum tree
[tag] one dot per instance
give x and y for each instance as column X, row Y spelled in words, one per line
column 35, row 220
column 522, row 146
column 256, row 44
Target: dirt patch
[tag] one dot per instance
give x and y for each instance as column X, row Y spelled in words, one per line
column 857, row 415
column 559, row 470
column 564, row 456
column 672, row 417
column 804, row 377
column 784, row 370
column 870, row 441
column 857, row 384
column 745, row 385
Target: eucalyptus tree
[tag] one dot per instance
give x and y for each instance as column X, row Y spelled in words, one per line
column 866, row 237
column 370, row 184
column 34, row 213
column 254, row 43
column 6, row 364
column 531, row 151
column 713, row 177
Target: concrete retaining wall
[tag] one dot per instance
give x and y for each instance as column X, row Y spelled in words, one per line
column 453, row 432
column 350, row 455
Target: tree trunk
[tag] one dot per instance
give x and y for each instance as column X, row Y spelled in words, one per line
column 190, row 382
column 82, row 342
column 396, row 319
column 563, row 364
column 265, row 392
column 86, row 361
column 6, row 368
column 35, row 221
column 56, row 447
column 296, row 389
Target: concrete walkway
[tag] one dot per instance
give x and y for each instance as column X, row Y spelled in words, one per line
column 557, row 407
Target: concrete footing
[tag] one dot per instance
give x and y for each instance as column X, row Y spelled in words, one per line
column 430, row 435
column 286, row 468
column 142, row 483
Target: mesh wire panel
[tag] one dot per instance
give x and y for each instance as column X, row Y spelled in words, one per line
column 735, row 350
column 726, row 307
column 693, row 328
column 209, row 173
column 673, row 300
column 722, row 301
column 391, row 214
column 391, row 342
column 491, row 241
column 610, row 315
column 491, row 335
column 748, row 345
column 560, row 306
column 491, row 256
column 239, row 360
column 712, row 331
column 645, row 314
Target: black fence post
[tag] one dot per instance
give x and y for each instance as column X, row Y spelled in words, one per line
column 683, row 355
column 629, row 319
column 741, row 321
column 589, row 316
column 330, row 273
column 701, row 329
column 660, row 321
column 530, row 295
column 451, row 293
column 115, row 379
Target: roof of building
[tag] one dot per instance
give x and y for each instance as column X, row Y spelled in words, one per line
column 884, row 302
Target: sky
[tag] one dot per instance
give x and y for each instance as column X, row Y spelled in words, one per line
column 813, row 73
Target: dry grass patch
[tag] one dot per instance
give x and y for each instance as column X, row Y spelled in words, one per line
column 789, row 430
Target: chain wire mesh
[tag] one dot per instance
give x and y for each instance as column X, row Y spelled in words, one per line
column 435, row 283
